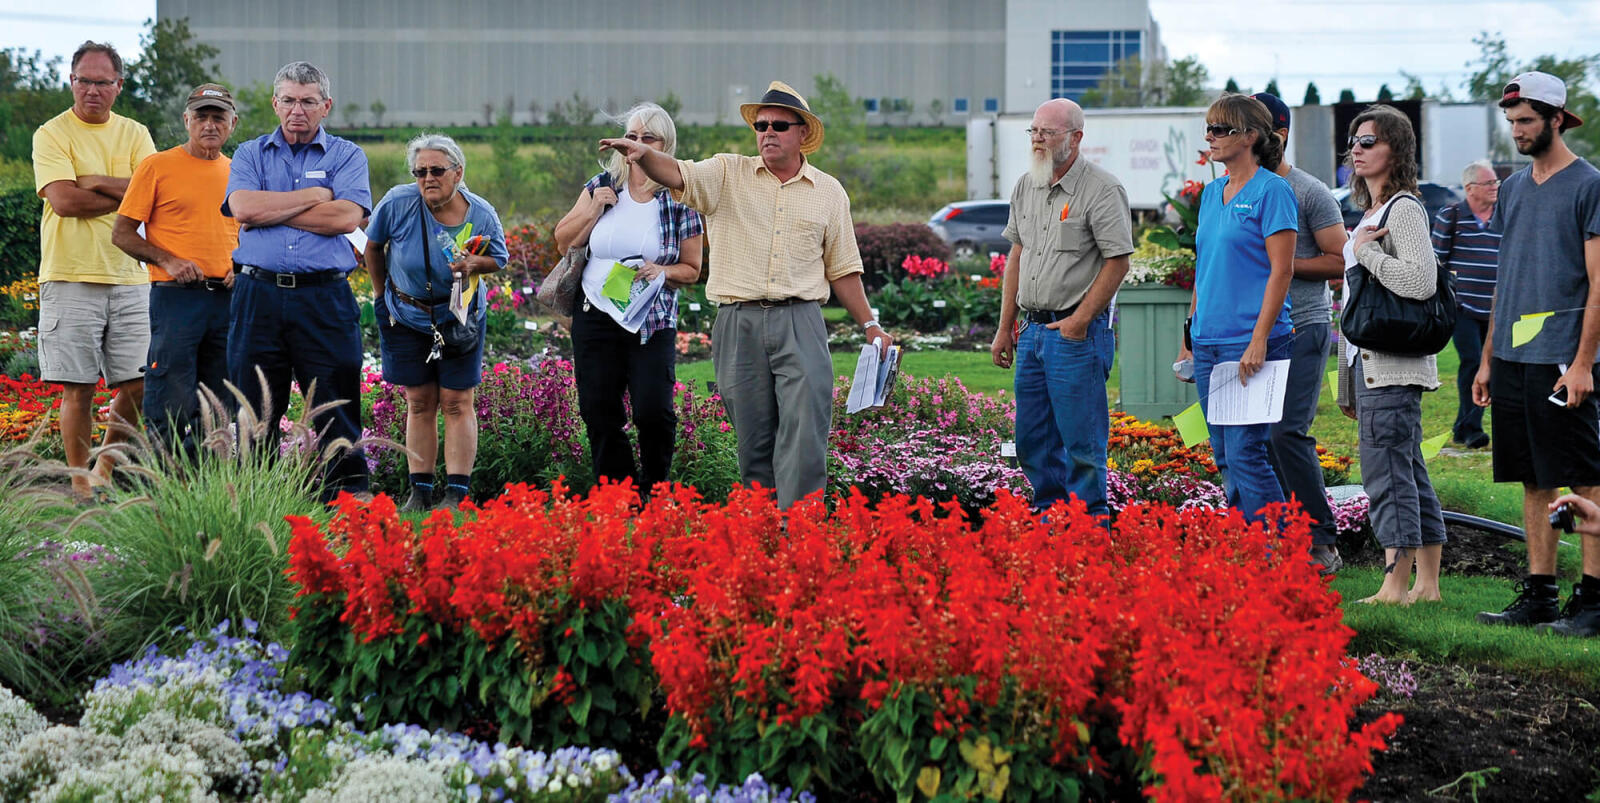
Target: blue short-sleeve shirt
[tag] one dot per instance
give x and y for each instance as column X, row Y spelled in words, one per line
column 398, row 221
column 1231, row 265
column 269, row 163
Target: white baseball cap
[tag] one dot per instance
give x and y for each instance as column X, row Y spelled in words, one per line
column 1543, row 87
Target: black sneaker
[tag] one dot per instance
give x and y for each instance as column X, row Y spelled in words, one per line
column 1580, row 617
column 1476, row 440
column 1535, row 604
column 417, row 502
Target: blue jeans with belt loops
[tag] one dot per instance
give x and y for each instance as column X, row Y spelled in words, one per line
column 1063, row 420
column 1240, row 451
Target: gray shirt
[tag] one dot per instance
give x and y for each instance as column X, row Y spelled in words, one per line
column 1309, row 299
column 1543, row 228
column 1067, row 230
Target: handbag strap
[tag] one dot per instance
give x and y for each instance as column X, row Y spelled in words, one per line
column 427, row 260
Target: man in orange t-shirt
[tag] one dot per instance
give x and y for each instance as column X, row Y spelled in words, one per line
column 187, row 245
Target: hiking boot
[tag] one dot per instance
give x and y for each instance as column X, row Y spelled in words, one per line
column 1476, row 440
column 452, row 499
column 1536, row 604
column 417, row 502
column 1326, row 558
column 1580, row 617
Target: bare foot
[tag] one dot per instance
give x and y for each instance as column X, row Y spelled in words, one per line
column 1418, row 595
column 1386, row 598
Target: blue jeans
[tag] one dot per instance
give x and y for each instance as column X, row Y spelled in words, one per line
column 1468, row 340
column 188, row 348
column 1240, row 451
column 1063, row 419
column 1292, row 450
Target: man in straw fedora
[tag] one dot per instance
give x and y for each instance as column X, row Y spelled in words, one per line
column 781, row 239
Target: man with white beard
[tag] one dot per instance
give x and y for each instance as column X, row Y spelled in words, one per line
column 1071, row 234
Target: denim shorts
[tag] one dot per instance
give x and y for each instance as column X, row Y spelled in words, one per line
column 405, row 356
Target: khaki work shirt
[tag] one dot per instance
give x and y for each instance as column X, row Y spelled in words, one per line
column 770, row 239
column 1067, row 231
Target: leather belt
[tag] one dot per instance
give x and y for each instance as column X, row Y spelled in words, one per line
column 208, row 283
column 407, row 298
column 769, row 303
column 291, row 280
column 1049, row 316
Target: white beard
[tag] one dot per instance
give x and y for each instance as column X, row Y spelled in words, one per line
column 1042, row 169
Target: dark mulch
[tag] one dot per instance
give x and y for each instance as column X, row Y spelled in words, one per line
column 1544, row 739
column 1468, row 551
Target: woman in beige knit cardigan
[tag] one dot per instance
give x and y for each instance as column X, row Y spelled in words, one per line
column 1383, row 391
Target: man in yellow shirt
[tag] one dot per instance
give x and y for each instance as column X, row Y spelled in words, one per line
column 781, row 238
column 188, row 246
column 94, row 317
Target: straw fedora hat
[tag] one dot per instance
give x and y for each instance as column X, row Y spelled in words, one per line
column 782, row 95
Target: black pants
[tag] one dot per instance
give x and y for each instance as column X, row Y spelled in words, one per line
column 609, row 361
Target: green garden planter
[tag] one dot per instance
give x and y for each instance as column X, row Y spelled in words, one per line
column 1149, row 331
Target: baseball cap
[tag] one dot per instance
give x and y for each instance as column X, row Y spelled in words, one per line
column 1543, row 87
column 210, row 95
column 1276, row 107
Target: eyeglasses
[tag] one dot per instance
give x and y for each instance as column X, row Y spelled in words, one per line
column 779, row 126
column 94, row 84
column 1490, row 183
column 1218, row 131
column 1365, row 140
column 430, row 171
column 304, row 103
column 1047, row 133
column 651, row 139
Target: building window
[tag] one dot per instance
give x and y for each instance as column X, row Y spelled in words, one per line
column 870, row 104
column 1078, row 59
column 991, row 105
column 959, row 105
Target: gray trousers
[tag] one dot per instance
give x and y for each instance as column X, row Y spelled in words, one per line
column 1405, row 512
column 1292, row 451
column 776, row 381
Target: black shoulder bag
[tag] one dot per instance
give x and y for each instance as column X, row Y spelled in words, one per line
column 452, row 338
column 1379, row 320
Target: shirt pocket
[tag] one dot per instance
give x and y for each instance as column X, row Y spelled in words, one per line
column 1072, row 234
column 805, row 241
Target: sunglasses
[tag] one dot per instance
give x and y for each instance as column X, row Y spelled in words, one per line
column 647, row 138
column 431, row 171
column 1365, row 140
column 1219, row 131
column 779, row 126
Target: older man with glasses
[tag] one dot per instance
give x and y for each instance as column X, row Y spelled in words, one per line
column 781, row 240
column 1463, row 241
column 296, row 192
column 1071, row 234
column 94, row 308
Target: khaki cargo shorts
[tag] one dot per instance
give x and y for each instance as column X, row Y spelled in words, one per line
column 89, row 331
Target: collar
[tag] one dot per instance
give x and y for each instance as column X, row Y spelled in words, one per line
column 807, row 172
column 1069, row 180
column 277, row 139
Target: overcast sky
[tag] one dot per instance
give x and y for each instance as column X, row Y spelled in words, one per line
column 1358, row 44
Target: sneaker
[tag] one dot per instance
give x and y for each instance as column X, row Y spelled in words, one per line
column 1326, row 557
column 1534, row 605
column 417, row 502
column 1580, row 617
column 451, row 500
column 1476, row 440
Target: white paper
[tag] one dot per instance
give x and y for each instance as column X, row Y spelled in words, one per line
column 358, row 238
column 642, row 297
column 874, row 379
column 1230, row 402
column 458, row 308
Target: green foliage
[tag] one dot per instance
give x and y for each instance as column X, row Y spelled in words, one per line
column 1385, row 95
column 1126, row 84
column 794, row 753
column 170, row 65
column 1347, row 96
column 1493, row 68
column 1313, row 97
column 1231, row 86
column 1186, row 82
column 256, row 116
column 31, row 92
column 914, row 303
column 20, row 209
column 884, row 248
column 377, row 109
column 1272, row 88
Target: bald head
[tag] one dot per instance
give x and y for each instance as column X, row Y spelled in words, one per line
column 1059, row 113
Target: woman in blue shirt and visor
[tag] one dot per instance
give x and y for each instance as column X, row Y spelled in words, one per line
column 1244, row 259
column 418, row 246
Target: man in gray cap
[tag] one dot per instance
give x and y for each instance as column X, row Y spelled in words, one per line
column 187, row 245
column 781, row 243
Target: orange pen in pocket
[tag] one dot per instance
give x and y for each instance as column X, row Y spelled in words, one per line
column 1064, row 208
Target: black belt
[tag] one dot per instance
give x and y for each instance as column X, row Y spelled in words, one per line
column 291, row 280
column 1049, row 316
column 407, row 298
column 768, row 303
column 208, row 283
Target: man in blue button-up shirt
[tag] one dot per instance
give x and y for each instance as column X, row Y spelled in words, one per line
column 296, row 192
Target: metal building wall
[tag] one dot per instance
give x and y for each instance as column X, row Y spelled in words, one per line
column 442, row 62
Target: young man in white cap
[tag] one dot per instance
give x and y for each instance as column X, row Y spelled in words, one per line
column 188, row 247
column 1546, row 416
column 781, row 240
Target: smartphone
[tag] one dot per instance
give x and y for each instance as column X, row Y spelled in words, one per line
column 1559, row 398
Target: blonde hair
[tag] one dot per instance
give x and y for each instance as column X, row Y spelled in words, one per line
column 652, row 119
column 1245, row 114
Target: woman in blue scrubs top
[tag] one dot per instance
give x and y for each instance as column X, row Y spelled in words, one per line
column 1244, row 259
